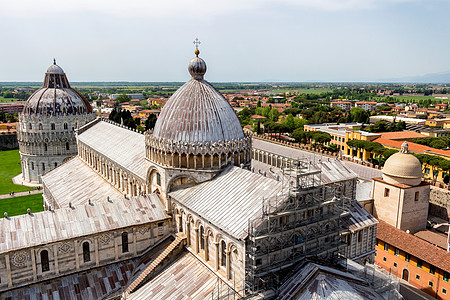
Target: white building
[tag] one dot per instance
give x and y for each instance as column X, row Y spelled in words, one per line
column 46, row 126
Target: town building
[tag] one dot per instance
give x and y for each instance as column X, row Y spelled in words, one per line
column 345, row 105
column 46, row 126
column 366, row 105
column 11, row 108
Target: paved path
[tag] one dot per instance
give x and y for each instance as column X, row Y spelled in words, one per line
column 21, row 194
column 363, row 172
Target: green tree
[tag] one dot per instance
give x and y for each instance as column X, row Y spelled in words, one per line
column 123, row 98
column 274, row 114
column 150, row 122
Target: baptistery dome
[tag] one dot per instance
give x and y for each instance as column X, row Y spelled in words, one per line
column 56, row 97
column 403, row 168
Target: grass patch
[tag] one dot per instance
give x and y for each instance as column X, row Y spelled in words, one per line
column 10, row 167
column 18, row 205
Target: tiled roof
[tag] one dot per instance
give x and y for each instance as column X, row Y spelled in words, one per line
column 398, row 135
column 412, row 147
column 413, row 245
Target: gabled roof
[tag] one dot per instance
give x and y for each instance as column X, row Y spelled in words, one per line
column 65, row 223
column 76, row 182
column 122, row 145
column 230, row 199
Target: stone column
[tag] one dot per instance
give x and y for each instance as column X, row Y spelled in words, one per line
column 77, row 259
column 97, row 260
column 8, row 270
column 55, row 258
column 134, row 241
column 228, row 264
column 196, row 246
column 33, row 264
column 217, row 255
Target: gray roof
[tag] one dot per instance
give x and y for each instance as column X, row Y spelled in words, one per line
column 121, row 145
column 230, row 199
column 65, row 223
column 56, row 97
column 197, row 112
column 76, row 182
column 358, row 218
column 312, row 281
column 363, row 189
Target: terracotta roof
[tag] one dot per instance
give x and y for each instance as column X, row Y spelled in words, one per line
column 399, row 135
column 413, row 147
column 257, row 117
column 414, row 246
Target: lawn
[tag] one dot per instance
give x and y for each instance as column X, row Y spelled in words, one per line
column 10, row 167
column 18, row 205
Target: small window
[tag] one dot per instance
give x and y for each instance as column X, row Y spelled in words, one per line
column 384, row 259
column 65, row 126
column 30, row 126
column 56, row 164
column 386, row 246
column 86, row 252
column 386, row 192
column 40, row 127
column 430, row 283
column 224, row 254
column 432, row 270
column 45, row 147
column 407, row 257
column 124, row 242
column 45, row 266
column 202, row 238
column 53, row 126
column 258, row 261
column 418, row 277
column 160, row 224
column 67, row 146
column 416, row 196
column 395, row 265
column 419, row 263
column 32, row 166
column 446, row 276
column 397, row 252
column 158, row 179
column 43, row 167
column 359, row 236
column 444, row 291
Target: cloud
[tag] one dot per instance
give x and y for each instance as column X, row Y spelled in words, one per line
column 191, row 9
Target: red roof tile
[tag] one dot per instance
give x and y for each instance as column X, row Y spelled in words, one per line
column 414, row 246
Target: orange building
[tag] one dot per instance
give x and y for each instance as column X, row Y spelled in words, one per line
column 416, row 261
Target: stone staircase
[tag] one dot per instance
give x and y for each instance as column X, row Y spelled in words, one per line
column 173, row 249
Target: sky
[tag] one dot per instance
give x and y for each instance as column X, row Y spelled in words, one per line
column 241, row 40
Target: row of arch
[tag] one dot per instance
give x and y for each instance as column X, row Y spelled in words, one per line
column 122, row 180
column 195, row 161
column 219, row 252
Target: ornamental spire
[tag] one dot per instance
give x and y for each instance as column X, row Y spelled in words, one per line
column 404, row 148
column 196, row 43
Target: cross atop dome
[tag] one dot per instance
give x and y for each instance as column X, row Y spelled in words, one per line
column 196, row 43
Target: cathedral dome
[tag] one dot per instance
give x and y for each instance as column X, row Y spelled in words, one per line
column 197, row 112
column 56, row 97
column 403, row 168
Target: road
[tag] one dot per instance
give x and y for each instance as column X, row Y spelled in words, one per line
column 363, row 172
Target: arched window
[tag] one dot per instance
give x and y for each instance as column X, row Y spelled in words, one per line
column 67, row 146
column 86, row 252
column 40, row 126
column 45, row 147
column 224, row 253
column 31, row 126
column 124, row 242
column 202, row 238
column 65, row 126
column 53, row 126
column 45, row 266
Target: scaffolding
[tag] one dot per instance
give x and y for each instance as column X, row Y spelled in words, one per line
column 303, row 223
